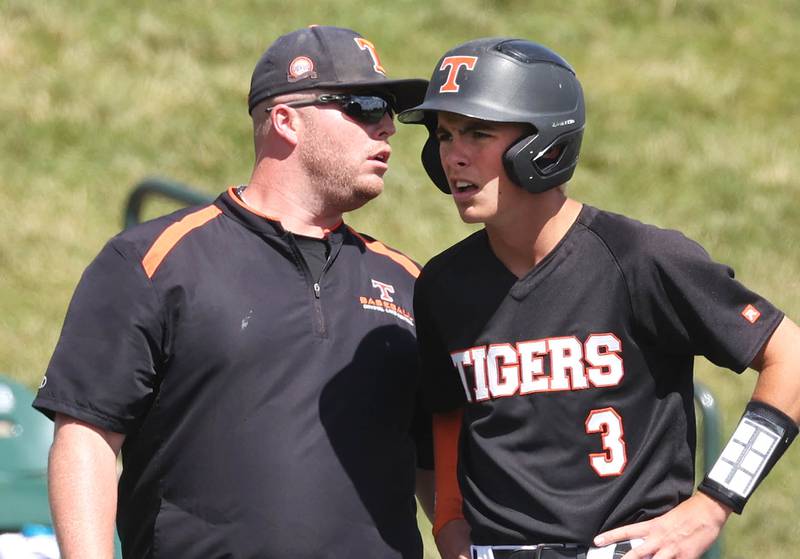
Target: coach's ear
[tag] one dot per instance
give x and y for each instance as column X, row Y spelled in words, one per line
column 286, row 123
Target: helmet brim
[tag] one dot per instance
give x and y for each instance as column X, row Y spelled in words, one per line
column 420, row 114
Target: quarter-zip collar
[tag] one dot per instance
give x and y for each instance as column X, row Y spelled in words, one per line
column 233, row 207
column 273, row 232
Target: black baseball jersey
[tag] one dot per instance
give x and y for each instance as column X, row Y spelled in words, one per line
column 576, row 379
column 266, row 413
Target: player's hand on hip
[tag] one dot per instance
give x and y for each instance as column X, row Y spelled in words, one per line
column 453, row 540
column 685, row 532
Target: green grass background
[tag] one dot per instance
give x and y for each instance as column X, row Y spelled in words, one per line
column 693, row 118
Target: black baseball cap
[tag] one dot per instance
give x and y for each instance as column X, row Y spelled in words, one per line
column 327, row 57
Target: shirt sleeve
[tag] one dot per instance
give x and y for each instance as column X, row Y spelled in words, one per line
column 441, row 384
column 103, row 369
column 687, row 303
column 448, row 503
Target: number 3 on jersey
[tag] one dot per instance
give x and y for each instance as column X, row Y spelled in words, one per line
column 608, row 423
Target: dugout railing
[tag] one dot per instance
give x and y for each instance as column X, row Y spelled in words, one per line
column 710, row 420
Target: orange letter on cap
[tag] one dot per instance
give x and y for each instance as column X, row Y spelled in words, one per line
column 363, row 44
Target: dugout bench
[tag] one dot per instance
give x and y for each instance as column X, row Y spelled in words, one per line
column 709, row 416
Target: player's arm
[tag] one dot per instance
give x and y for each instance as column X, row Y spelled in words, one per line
column 690, row 529
column 453, row 540
column 82, row 479
column 451, row 532
column 443, row 391
column 779, row 365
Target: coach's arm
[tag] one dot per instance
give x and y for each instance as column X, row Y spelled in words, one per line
column 82, row 479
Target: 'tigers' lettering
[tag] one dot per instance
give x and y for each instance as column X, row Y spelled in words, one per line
column 501, row 370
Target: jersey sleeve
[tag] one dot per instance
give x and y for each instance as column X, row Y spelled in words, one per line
column 103, row 369
column 441, row 385
column 687, row 303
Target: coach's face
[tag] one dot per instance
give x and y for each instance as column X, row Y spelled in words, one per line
column 472, row 151
column 345, row 157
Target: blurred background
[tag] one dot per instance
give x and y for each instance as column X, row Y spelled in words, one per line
column 693, row 115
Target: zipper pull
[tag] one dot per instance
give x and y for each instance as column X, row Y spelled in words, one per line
column 316, row 290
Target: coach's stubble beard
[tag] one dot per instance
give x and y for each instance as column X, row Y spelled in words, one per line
column 335, row 172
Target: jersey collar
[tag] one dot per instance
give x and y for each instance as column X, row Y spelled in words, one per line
column 232, row 206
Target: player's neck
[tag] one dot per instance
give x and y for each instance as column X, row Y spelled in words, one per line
column 523, row 242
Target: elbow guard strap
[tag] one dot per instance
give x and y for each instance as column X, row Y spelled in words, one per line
column 762, row 436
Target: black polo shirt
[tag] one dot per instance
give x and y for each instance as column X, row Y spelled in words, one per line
column 266, row 414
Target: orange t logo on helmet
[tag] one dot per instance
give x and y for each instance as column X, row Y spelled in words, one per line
column 455, row 63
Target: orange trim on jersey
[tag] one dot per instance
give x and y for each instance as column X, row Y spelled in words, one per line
column 242, row 203
column 446, row 431
column 173, row 234
column 382, row 249
column 235, row 197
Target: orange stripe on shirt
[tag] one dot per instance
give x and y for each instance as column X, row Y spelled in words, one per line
column 173, row 234
column 380, row 248
column 446, row 431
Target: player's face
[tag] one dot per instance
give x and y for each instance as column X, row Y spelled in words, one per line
column 472, row 151
column 345, row 158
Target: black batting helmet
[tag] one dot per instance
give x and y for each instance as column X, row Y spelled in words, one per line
column 509, row 80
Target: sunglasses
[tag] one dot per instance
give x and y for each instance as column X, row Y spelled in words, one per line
column 367, row 109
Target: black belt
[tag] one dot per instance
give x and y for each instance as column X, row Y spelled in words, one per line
column 556, row 551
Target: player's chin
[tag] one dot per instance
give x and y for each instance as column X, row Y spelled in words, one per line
column 469, row 213
column 470, row 221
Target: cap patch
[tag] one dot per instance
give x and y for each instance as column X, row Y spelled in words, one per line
column 751, row 314
column 300, row 68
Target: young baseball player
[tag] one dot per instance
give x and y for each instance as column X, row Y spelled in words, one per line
column 557, row 342
column 254, row 359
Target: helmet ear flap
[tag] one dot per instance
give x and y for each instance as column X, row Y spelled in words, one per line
column 433, row 164
column 538, row 171
column 513, row 159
